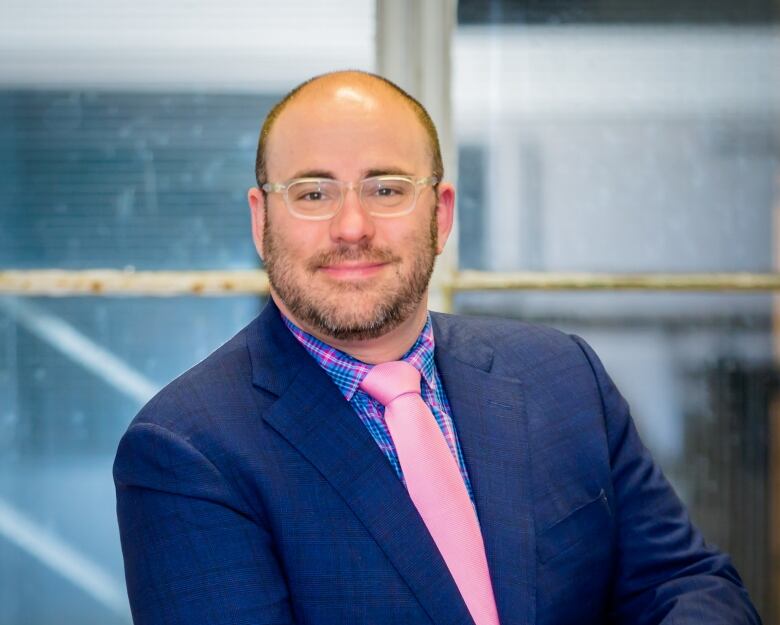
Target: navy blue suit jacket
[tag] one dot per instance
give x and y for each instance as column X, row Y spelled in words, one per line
column 248, row 491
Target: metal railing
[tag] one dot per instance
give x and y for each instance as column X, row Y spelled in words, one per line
column 108, row 282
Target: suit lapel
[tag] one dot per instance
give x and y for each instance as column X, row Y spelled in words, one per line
column 313, row 416
column 492, row 429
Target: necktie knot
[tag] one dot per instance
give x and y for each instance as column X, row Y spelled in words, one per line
column 389, row 380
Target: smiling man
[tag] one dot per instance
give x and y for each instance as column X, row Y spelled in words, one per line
column 350, row 457
column 350, row 263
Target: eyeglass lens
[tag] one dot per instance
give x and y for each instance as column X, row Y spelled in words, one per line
column 323, row 197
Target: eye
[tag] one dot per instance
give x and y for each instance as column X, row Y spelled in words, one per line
column 312, row 192
column 388, row 188
column 386, row 191
column 311, row 196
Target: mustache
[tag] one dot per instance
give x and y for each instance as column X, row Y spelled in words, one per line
column 363, row 253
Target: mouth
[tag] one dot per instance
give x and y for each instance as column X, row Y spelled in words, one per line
column 353, row 270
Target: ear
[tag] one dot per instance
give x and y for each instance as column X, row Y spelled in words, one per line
column 256, row 200
column 445, row 214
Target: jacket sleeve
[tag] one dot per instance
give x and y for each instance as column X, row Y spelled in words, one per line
column 193, row 551
column 666, row 574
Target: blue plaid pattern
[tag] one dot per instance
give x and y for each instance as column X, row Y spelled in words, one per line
column 348, row 372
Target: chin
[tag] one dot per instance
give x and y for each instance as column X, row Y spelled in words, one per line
column 350, row 310
column 358, row 330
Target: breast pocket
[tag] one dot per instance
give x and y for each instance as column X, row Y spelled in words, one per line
column 588, row 527
column 576, row 557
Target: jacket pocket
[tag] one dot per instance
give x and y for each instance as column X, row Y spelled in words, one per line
column 590, row 521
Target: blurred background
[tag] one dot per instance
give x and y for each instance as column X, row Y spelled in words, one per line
column 598, row 136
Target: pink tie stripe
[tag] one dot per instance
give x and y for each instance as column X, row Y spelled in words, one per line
column 435, row 484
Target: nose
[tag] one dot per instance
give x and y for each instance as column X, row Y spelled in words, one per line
column 352, row 224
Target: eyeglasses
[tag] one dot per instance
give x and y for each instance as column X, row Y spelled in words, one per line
column 322, row 198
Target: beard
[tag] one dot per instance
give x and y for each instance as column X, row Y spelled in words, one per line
column 349, row 311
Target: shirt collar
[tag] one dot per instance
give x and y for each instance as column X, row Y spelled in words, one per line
column 348, row 372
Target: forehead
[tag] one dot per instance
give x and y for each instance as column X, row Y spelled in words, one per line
column 347, row 128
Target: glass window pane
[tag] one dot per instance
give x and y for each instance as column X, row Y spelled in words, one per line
column 617, row 147
column 147, row 180
column 111, row 165
column 73, row 373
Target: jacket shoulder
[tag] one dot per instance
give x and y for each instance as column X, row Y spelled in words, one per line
column 521, row 341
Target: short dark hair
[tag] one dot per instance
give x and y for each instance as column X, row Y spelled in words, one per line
column 418, row 109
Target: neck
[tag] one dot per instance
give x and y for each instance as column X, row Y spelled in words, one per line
column 389, row 346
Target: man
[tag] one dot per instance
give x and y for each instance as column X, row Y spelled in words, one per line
column 282, row 479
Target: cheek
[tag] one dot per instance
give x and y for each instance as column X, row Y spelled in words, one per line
column 417, row 238
column 294, row 241
column 404, row 232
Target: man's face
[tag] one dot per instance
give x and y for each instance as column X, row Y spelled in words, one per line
column 353, row 277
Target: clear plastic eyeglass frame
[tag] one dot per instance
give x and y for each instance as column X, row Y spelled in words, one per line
column 357, row 186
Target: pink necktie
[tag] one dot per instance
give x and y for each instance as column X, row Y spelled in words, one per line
column 434, row 483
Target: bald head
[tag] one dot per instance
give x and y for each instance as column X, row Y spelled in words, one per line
column 346, row 86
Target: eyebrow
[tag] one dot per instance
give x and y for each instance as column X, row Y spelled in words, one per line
column 387, row 171
column 314, row 173
column 368, row 173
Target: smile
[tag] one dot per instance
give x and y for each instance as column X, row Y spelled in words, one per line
column 352, row 271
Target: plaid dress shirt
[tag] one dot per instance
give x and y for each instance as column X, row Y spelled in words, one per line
column 347, row 373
